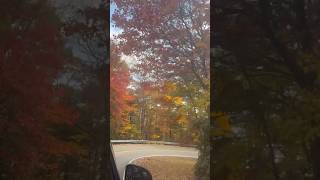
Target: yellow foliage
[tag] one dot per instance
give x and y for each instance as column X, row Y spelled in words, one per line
column 155, row 136
column 170, row 86
column 178, row 100
column 127, row 127
column 182, row 119
column 168, row 98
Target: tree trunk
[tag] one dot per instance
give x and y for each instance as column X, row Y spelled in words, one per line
column 275, row 170
column 315, row 154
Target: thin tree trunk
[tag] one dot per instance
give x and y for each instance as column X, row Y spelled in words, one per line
column 275, row 169
column 315, row 154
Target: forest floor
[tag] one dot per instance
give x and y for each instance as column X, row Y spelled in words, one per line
column 169, row 168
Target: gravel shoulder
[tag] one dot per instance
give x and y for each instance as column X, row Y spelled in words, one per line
column 169, row 168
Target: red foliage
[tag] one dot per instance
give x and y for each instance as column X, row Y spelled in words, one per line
column 169, row 37
column 119, row 81
column 31, row 55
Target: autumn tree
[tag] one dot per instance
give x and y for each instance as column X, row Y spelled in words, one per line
column 119, row 95
column 31, row 57
column 170, row 40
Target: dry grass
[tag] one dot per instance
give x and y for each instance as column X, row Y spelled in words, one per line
column 169, row 168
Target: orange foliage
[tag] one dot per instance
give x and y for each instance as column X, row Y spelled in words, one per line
column 119, row 82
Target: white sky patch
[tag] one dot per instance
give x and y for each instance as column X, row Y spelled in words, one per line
column 114, row 31
column 130, row 60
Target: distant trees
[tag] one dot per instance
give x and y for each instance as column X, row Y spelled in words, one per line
column 161, row 114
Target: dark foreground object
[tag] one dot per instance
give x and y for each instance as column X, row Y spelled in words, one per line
column 134, row 172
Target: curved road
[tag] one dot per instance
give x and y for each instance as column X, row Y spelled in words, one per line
column 126, row 153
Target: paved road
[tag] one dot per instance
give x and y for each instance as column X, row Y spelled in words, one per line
column 125, row 153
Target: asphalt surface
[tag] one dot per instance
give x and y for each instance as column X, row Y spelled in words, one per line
column 126, row 153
